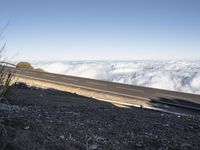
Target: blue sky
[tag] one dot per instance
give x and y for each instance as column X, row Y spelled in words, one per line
column 101, row 29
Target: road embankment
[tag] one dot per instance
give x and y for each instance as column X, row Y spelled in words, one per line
column 39, row 118
column 116, row 99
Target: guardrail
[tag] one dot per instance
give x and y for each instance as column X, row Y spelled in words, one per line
column 7, row 63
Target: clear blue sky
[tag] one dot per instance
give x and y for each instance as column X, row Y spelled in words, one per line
column 101, row 29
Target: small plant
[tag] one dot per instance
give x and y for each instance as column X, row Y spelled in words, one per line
column 6, row 75
column 5, row 81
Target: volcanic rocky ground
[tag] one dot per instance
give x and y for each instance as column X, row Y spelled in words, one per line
column 33, row 118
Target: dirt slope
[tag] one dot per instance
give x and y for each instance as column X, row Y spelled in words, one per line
column 38, row 119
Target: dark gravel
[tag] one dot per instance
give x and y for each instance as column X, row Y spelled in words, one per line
column 38, row 119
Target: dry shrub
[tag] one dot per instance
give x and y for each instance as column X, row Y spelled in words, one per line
column 6, row 74
column 6, row 77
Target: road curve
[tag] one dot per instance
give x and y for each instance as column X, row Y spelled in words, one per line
column 143, row 93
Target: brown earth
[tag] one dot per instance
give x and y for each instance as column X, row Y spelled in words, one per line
column 39, row 119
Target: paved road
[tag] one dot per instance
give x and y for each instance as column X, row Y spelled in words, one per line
column 142, row 93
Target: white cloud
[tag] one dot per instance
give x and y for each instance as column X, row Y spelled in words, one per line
column 181, row 76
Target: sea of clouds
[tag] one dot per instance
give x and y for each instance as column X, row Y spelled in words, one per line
column 183, row 76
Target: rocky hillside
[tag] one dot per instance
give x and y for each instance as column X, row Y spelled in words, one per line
column 38, row 119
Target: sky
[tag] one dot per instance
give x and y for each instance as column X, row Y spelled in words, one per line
column 101, row 29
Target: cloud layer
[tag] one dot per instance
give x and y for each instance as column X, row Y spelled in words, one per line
column 183, row 76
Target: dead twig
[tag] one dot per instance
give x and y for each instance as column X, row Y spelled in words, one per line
column 87, row 142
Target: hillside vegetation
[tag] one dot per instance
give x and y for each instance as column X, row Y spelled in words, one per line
column 6, row 76
column 27, row 65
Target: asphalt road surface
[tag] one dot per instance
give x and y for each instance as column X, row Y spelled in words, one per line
column 191, row 101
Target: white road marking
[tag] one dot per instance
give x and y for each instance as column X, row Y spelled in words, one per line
column 130, row 89
column 70, row 79
column 89, row 82
column 167, row 95
column 85, row 87
column 140, row 106
column 117, row 102
column 48, row 75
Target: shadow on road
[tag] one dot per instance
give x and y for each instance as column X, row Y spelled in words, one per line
column 173, row 104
